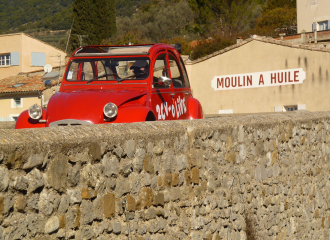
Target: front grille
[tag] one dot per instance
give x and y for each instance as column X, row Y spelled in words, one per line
column 69, row 122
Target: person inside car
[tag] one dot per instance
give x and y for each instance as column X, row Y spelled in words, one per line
column 140, row 69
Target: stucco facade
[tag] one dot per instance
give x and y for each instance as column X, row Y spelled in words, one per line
column 312, row 11
column 9, row 111
column 262, row 55
column 24, row 47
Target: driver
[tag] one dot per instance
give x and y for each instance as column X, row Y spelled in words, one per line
column 140, row 68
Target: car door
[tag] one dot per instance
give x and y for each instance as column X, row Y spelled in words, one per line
column 180, row 92
column 161, row 95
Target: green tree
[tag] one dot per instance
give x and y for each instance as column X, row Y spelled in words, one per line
column 272, row 4
column 95, row 18
column 277, row 20
column 158, row 21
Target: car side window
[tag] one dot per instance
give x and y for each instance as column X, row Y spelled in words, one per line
column 160, row 69
column 176, row 73
column 186, row 79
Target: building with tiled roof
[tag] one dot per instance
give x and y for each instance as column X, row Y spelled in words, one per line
column 18, row 93
column 21, row 53
column 262, row 74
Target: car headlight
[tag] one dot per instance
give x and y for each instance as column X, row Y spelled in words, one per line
column 35, row 111
column 110, row 110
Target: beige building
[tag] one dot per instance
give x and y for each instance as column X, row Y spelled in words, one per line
column 18, row 93
column 313, row 15
column 262, row 75
column 22, row 53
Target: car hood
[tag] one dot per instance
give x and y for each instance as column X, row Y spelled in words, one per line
column 86, row 105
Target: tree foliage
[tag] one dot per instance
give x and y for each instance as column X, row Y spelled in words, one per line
column 209, row 46
column 25, row 14
column 272, row 4
column 94, row 19
column 275, row 21
column 279, row 16
column 225, row 17
column 158, row 21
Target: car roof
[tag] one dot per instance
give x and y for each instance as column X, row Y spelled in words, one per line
column 121, row 50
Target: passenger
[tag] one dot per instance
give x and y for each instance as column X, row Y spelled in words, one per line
column 140, row 68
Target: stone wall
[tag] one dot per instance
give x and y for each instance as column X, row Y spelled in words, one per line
column 7, row 125
column 219, row 178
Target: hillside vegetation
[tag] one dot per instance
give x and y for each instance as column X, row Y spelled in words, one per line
column 214, row 23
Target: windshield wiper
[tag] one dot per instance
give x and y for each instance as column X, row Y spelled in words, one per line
column 104, row 75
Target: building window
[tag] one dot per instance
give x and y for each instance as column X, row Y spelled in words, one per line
column 5, row 60
column 16, row 103
column 323, row 26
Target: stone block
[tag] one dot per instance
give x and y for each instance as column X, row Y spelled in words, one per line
column 167, row 180
column 122, row 187
column 35, row 180
column 160, row 181
column 88, row 193
column 147, row 197
column 20, row 203
column 131, row 204
column 15, row 160
column 195, row 175
column 78, row 218
column 182, row 163
column 36, row 224
column 87, row 212
column 159, row 199
column 52, row 225
column 62, row 221
column 1, row 205
column 57, row 173
column 111, row 166
column 109, row 205
column 187, row 176
column 230, row 157
column 150, row 213
column 4, row 180
column 116, row 227
column 229, row 144
column 94, row 150
column 130, row 148
column 175, row 193
column 33, row 161
column 148, row 165
column 274, row 157
column 175, row 179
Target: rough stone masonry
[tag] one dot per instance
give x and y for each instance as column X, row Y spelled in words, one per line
column 262, row 176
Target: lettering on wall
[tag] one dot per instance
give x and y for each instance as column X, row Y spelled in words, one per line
column 259, row 79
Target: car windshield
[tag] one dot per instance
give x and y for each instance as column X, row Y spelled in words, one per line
column 116, row 69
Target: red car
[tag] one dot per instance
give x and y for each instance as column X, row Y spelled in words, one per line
column 117, row 84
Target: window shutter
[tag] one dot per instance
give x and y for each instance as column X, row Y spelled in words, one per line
column 14, row 58
column 328, row 25
column 38, row 59
column 314, row 26
column 1, row 119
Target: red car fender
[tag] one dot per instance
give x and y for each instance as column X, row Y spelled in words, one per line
column 195, row 110
column 133, row 114
column 24, row 120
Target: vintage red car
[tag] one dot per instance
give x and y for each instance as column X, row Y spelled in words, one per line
column 118, row 84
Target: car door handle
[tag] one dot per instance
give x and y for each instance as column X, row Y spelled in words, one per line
column 187, row 93
column 172, row 94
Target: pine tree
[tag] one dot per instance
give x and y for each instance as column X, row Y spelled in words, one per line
column 95, row 18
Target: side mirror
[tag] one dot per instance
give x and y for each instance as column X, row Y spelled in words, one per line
column 164, row 81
